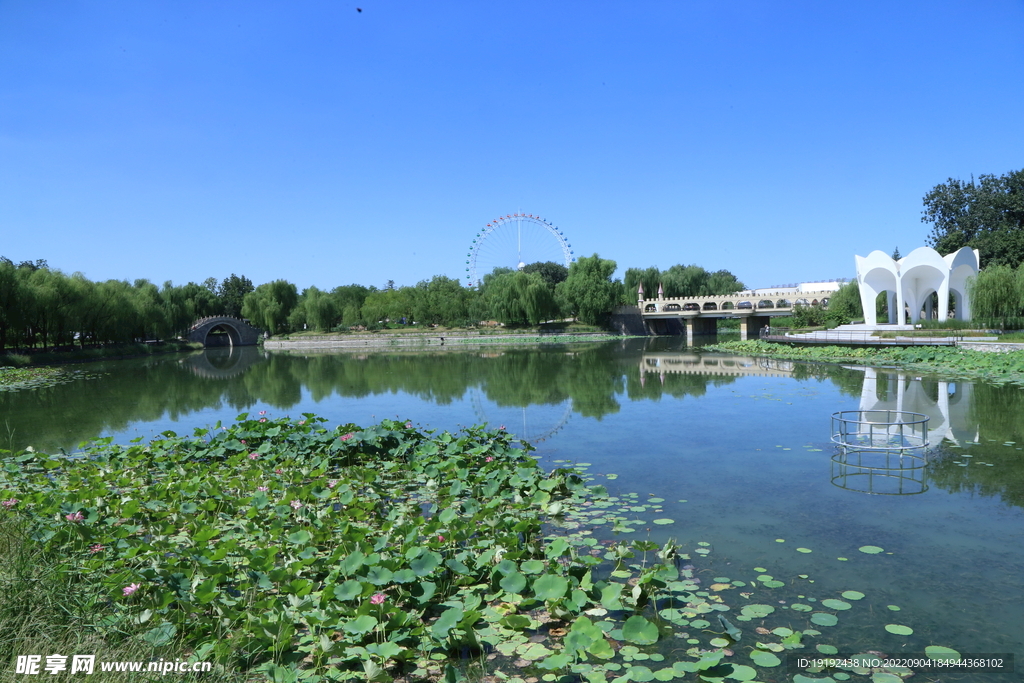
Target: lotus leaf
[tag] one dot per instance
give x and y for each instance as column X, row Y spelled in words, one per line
column 638, row 630
column 824, row 619
column 765, row 659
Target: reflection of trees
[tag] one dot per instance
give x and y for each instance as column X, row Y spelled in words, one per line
column 848, row 380
column 592, row 377
column 998, row 413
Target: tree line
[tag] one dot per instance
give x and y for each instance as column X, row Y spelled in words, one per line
column 538, row 292
column 44, row 308
column 41, row 307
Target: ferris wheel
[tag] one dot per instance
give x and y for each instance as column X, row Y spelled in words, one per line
column 514, row 241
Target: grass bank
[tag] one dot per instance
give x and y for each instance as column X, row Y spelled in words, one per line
column 108, row 352
column 958, row 362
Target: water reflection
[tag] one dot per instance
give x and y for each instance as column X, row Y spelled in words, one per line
column 946, row 403
column 222, row 363
column 975, row 429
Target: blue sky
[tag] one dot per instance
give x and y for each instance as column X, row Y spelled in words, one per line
column 312, row 142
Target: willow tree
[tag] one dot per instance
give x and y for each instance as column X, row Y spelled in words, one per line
column 589, row 291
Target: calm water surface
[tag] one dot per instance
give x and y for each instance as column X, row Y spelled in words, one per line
column 737, row 447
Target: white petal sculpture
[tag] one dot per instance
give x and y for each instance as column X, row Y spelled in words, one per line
column 912, row 280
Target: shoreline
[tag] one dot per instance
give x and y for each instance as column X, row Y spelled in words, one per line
column 422, row 340
column 957, row 362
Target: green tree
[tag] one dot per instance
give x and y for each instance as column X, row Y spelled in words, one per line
column 269, row 305
column 650, row 278
column 844, row 305
column 588, row 291
column 232, row 293
column 552, row 273
column 987, row 215
column 442, row 300
column 520, row 298
column 997, row 293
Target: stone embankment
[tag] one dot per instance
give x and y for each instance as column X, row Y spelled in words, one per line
column 991, row 346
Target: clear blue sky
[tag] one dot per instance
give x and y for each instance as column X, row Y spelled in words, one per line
column 180, row 140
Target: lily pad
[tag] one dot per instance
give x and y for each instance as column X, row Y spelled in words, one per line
column 853, row 595
column 665, row 520
column 870, row 549
column 827, row 649
column 894, row 608
column 639, row 630
column 883, row 677
column 941, row 652
column 836, row 604
column 824, row 619
column 765, row 659
column 742, row 672
column 803, row 550
column 899, row 629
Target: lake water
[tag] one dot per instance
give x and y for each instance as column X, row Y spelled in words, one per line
column 738, row 448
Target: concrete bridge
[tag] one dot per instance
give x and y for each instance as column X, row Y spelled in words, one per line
column 221, row 330
column 699, row 314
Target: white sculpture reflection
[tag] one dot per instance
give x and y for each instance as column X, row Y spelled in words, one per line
column 900, row 470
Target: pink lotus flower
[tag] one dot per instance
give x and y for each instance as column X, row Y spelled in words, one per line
column 279, row 471
column 408, row 425
column 440, row 537
column 295, row 504
column 242, row 441
column 347, row 437
column 331, row 483
column 253, row 456
column 9, row 503
column 262, row 488
column 75, row 517
column 263, row 419
column 377, row 599
column 97, row 548
column 488, row 459
column 302, row 422
column 131, row 588
column 263, row 412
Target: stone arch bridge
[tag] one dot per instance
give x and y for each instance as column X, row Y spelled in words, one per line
column 222, row 330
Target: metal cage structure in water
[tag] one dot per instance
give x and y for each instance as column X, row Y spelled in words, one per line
column 880, row 452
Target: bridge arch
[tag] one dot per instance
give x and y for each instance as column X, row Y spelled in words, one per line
column 222, row 330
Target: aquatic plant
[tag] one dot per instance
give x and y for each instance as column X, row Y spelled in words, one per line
column 391, row 551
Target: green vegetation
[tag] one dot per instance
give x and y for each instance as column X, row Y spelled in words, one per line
column 45, row 309
column 94, row 353
column 284, row 551
column 957, row 362
column 678, row 281
column 987, row 215
column 997, row 297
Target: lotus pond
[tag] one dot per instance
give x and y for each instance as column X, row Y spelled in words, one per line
column 681, row 517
